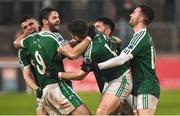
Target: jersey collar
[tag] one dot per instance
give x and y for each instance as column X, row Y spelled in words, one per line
column 143, row 29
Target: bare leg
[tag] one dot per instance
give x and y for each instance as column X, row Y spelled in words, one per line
column 109, row 104
column 125, row 109
column 81, row 110
column 146, row 111
column 41, row 112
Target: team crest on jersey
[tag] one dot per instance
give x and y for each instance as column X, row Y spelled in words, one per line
column 60, row 39
column 131, row 46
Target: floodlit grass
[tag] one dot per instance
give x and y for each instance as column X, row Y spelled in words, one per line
column 21, row 103
column 17, row 103
column 91, row 100
column 169, row 103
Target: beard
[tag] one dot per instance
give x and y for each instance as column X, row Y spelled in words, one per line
column 54, row 27
column 130, row 24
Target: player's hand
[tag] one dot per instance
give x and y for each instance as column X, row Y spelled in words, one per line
column 92, row 31
column 51, row 72
column 39, row 93
column 95, row 66
column 88, row 66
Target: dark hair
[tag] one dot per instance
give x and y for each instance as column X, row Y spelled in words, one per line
column 107, row 22
column 148, row 13
column 79, row 28
column 44, row 14
column 24, row 18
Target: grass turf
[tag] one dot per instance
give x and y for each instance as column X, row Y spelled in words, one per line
column 24, row 104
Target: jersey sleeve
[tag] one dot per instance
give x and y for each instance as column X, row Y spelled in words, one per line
column 87, row 53
column 25, row 42
column 59, row 40
column 95, row 53
column 23, row 58
column 91, row 54
column 136, row 45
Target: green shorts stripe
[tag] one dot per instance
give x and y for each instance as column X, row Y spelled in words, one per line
column 69, row 94
column 122, row 86
column 145, row 101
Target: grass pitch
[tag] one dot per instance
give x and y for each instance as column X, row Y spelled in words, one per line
column 24, row 104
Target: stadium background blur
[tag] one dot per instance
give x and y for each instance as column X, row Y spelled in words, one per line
column 165, row 31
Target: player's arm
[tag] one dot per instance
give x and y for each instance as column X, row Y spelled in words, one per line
column 28, row 77
column 72, row 75
column 26, row 69
column 72, row 42
column 128, row 53
column 75, row 52
column 116, row 61
column 18, row 39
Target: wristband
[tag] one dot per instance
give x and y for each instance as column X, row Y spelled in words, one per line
column 59, row 74
column 36, row 88
column 89, row 38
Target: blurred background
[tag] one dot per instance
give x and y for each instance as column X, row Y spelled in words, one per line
column 165, row 31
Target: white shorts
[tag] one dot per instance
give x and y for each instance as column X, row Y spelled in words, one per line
column 58, row 100
column 38, row 104
column 145, row 101
column 120, row 87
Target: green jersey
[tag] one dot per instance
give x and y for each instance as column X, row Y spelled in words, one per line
column 24, row 59
column 141, row 49
column 42, row 48
column 99, row 51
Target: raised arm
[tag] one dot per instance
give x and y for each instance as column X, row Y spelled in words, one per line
column 18, row 39
column 75, row 52
column 72, row 43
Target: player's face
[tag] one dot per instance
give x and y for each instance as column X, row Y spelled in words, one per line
column 54, row 21
column 30, row 26
column 100, row 26
column 136, row 17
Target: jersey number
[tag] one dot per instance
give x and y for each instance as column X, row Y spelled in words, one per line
column 41, row 65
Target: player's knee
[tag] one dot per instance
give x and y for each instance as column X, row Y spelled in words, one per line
column 41, row 112
column 102, row 111
column 81, row 110
column 146, row 111
column 99, row 111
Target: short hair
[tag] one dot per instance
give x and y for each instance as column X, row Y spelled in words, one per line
column 79, row 28
column 25, row 18
column 44, row 14
column 107, row 21
column 148, row 13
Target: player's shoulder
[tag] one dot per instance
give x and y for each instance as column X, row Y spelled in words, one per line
column 54, row 35
column 139, row 36
column 99, row 38
column 31, row 35
column 23, row 52
column 140, row 33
